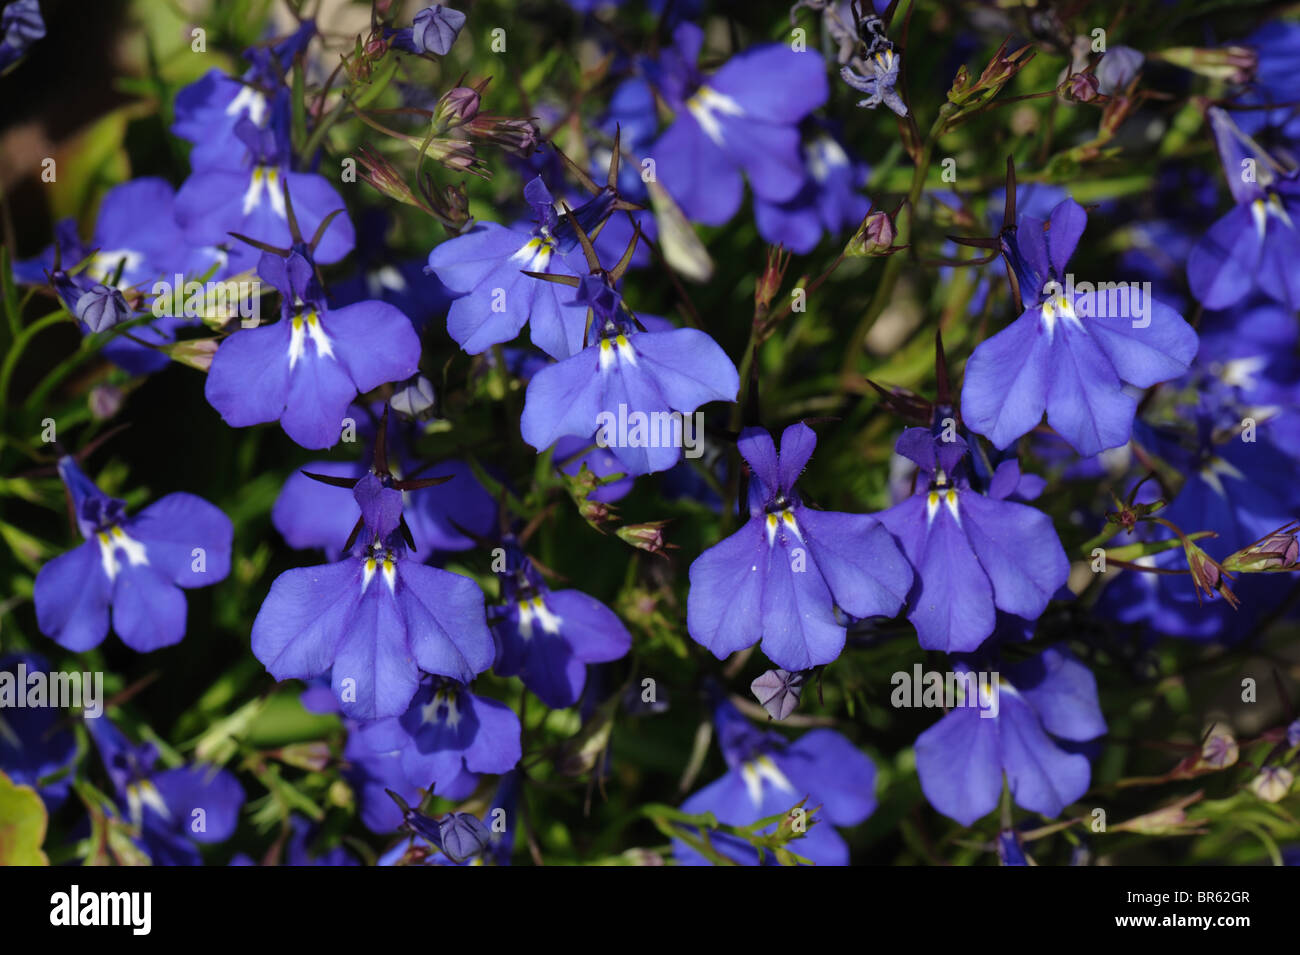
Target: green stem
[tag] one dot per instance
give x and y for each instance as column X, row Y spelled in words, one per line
column 19, row 346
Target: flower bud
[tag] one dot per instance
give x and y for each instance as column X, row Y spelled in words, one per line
column 102, row 307
column 456, row 107
column 875, row 237
column 648, row 537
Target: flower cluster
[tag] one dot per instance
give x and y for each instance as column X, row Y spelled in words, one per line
column 667, row 400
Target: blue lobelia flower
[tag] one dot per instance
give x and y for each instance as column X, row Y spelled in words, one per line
column 828, row 202
column 783, row 575
column 547, row 637
column 249, row 198
column 375, row 619
column 20, row 26
column 173, row 808
column 310, row 515
column 973, row 552
column 35, row 743
column 486, row 266
column 767, row 775
column 446, row 737
column 306, row 369
column 134, row 565
column 630, row 388
column 742, row 121
column 1074, row 351
column 1041, row 702
column 136, row 242
column 208, row 110
column 1256, row 244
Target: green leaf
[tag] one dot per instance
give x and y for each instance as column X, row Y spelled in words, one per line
column 22, row 825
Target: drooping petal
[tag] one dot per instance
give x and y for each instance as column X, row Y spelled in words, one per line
column 186, row 538
column 863, row 568
column 595, row 632
column 562, row 399
column 800, row 630
column 203, row 801
column 496, row 746
column 770, row 156
column 1042, row 777
column 724, row 606
column 320, row 392
column 1086, row 402
column 1062, row 691
column 1141, row 354
column 689, row 367
column 681, row 152
column 72, row 597
column 148, row 608
column 447, row 621
column 374, row 674
column 1018, row 549
column 1004, row 392
column 660, row 447
column 1221, row 268
column 959, row 763
column 248, row 382
column 375, row 343
column 304, row 617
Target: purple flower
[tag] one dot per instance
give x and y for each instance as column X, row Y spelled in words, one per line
column 173, row 808
column 21, row 26
column 374, row 621
column 247, row 198
column 785, row 574
column 626, row 385
column 767, row 775
column 1042, row 701
column 547, row 637
column 136, row 242
column 35, row 742
column 209, row 110
column 134, row 565
column 1256, row 244
column 447, row 734
column 306, row 369
column 312, row 515
column 972, row 552
column 486, row 266
column 829, row 200
column 1073, row 351
column 742, row 121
